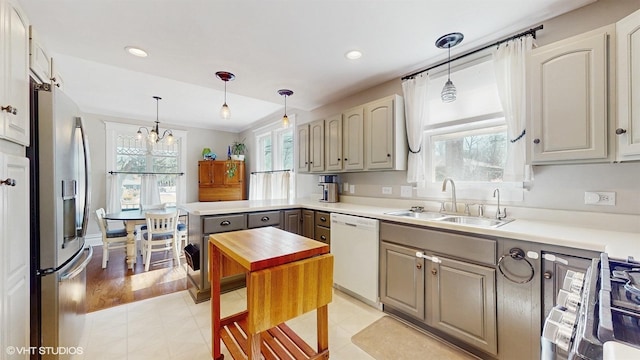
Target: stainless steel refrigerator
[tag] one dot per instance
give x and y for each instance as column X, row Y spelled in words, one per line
column 59, row 215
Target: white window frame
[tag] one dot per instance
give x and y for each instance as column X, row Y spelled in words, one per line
column 275, row 131
column 112, row 131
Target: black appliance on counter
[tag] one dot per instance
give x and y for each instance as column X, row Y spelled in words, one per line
column 599, row 306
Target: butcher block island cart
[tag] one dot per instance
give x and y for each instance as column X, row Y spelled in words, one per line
column 287, row 275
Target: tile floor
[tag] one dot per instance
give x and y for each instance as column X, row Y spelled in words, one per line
column 173, row 327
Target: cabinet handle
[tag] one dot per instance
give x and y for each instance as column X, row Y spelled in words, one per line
column 10, row 109
column 620, row 131
column 547, row 275
column 388, row 155
column 265, row 218
column 310, row 162
column 536, row 141
column 306, row 163
column 8, row 182
column 338, row 159
column 418, row 266
column 323, row 219
column 225, row 223
column 434, row 271
column 345, row 159
column 322, row 237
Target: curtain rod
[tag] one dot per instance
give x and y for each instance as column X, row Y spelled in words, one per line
column 145, row 173
column 270, row 171
column 531, row 32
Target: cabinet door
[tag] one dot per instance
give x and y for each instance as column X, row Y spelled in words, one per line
column 378, row 132
column 293, row 221
column 333, row 143
column 464, row 303
column 14, row 92
column 237, row 177
column 303, row 148
column 353, row 139
column 628, row 70
column 402, row 281
column 569, row 99
column 316, row 146
column 14, row 247
column 308, row 225
column 205, row 173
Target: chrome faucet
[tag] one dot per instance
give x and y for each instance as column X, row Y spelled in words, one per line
column 454, row 204
column 499, row 214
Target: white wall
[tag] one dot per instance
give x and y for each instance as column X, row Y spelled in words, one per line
column 554, row 187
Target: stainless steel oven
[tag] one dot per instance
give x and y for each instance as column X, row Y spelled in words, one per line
column 594, row 307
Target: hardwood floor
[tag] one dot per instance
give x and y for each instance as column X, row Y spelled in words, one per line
column 116, row 285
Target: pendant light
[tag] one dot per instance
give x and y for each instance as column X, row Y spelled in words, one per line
column 153, row 134
column 225, row 76
column 448, row 41
column 285, row 118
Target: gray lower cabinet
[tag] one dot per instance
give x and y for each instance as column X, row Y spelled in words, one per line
column 308, row 224
column 292, row 221
column 263, row 218
column 201, row 227
column 323, row 227
column 464, row 302
column 402, row 279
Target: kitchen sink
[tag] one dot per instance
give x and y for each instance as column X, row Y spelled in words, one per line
column 456, row 219
column 475, row 221
column 417, row 215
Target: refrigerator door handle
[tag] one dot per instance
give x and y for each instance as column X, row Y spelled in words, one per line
column 80, row 268
column 87, row 177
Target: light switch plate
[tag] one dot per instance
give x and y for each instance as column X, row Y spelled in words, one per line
column 352, row 189
column 386, row 190
column 345, row 187
column 406, row 191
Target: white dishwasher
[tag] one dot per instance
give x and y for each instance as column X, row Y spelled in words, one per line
column 354, row 245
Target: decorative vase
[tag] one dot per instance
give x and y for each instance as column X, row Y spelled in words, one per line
column 237, row 157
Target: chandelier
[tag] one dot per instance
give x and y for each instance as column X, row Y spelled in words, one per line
column 153, row 134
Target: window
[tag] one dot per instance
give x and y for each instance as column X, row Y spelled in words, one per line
column 274, row 151
column 466, row 140
column 127, row 154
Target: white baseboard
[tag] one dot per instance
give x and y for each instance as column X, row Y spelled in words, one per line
column 93, row 239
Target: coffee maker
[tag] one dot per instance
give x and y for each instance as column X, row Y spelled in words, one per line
column 329, row 185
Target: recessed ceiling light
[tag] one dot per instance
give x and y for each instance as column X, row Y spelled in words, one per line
column 136, row 51
column 353, row 55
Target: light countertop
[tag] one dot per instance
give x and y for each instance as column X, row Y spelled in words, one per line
column 618, row 244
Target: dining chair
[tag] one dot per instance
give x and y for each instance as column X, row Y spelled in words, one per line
column 111, row 239
column 161, row 235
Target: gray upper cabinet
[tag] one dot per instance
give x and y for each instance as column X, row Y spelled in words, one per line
column 353, row 139
column 316, row 146
column 569, row 99
column 333, row 143
column 464, row 302
column 385, row 139
column 628, row 70
column 303, row 148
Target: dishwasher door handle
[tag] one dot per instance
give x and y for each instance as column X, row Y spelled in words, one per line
column 420, row 254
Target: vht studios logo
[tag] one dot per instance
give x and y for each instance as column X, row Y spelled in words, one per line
column 44, row 350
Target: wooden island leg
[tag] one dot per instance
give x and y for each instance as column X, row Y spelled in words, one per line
column 214, row 271
column 322, row 315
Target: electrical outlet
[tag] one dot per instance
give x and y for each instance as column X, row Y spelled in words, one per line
column 406, row 191
column 352, row 189
column 600, row 198
column 386, row 190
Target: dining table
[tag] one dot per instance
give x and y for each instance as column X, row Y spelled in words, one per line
column 131, row 218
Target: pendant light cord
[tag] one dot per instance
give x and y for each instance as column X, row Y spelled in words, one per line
column 449, row 65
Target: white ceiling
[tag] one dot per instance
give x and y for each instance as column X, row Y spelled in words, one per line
column 267, row 44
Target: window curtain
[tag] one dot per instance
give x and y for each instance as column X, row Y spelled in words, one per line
column 415, row 105
column 510, row 69
column 113, row 197
column 269, row 186
column 149, row 190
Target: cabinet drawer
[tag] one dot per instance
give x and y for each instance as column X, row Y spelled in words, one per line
column 472, row 248
column 265, row 218
column 216, row 224
column 323, row 219
column 323, row 234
